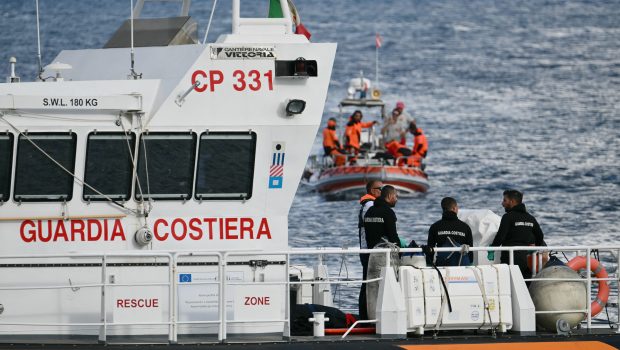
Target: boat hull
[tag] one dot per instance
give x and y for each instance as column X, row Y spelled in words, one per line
column 347, row 182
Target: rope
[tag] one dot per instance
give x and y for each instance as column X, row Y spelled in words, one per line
column 480, row 281
column 146, row 163
column 343, row 263
column 443, row 300
column 394, row 253
column 452, row 253
column 134, row 165
column 499, row 295
column 445, row 287
column 464, row 251
column 430, row 252
column 77, row 179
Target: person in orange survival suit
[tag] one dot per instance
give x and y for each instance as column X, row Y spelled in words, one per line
column 353, row 133
column 331, row 144
column 397, row 150
column 420, row 146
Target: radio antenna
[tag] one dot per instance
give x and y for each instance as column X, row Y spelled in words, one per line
column 210, row 19
column 40, row 75
column 133, row 73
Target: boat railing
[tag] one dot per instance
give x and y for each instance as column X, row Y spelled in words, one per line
column 104, row 285
column 588, row 251
column 614, row 277
column 221, row 271
column 239, row 24
column 610, row 255
column 328, row 161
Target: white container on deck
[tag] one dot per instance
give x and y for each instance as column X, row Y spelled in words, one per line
column 480, row 297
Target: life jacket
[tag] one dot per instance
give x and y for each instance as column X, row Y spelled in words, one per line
column 392, row 147
column 360, row 219
column 353, row 133
column 420, row 144
column 330, row 140
column 415, row 160
column 397, row 149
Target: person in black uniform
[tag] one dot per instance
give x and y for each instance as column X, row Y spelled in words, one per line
column 517, row 228
column 450, row 232
column 380, row 219
column 373, row 190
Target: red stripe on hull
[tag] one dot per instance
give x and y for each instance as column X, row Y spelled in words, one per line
column 353, row 179
column 361, row 186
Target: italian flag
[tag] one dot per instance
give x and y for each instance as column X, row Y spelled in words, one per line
column 275, row 11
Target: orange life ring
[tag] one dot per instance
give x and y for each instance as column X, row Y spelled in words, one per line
column 580, row 262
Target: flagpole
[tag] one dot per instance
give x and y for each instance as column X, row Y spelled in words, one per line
column 377, row 46
column 376, row 67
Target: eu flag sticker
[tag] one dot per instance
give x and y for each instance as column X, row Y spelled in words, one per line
column 185, row 277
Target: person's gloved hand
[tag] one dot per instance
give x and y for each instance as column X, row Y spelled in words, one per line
column 403, row 243
column 491, row 255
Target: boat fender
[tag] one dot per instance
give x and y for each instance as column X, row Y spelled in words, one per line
column 560, row 290
column 580, row 262
column 143, row 236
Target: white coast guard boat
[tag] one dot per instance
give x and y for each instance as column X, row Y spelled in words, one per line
column 148, row 203
column 111, row 171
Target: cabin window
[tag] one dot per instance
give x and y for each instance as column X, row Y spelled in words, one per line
column 168, row 160
column 6, row 164
column 38, row 177
column 225, row 165
column 108, row 166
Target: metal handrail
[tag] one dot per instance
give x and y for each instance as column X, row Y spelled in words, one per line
column 238, row 21
column 223, row 257
column 103, row 285
column 221, row 273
